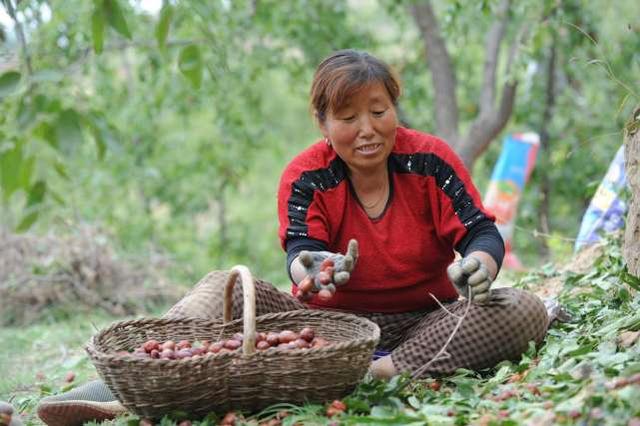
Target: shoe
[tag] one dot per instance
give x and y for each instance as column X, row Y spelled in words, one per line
column 92, row 401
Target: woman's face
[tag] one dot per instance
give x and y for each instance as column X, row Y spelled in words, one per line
column 363, row 130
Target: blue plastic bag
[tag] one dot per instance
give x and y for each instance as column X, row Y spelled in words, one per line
column 607, row 210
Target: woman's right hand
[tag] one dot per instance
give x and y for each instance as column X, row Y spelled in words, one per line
column 325, row 270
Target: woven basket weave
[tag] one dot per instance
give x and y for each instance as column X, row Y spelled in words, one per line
column 246, row 379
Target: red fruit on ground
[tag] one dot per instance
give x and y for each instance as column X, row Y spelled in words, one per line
column 331, row 411
column 339, row 405
column 229, row 419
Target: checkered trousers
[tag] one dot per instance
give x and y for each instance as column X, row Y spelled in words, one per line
column 488, row 334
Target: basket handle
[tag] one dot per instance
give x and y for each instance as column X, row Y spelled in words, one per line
column 249, row 314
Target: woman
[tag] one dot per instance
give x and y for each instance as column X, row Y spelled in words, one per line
column 397, row 203
column 408, row 200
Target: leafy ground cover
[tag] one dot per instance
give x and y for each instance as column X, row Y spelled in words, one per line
column 586, row 372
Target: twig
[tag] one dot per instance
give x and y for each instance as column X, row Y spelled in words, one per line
column 538, row 234
column 442, row 351
column 443, row 307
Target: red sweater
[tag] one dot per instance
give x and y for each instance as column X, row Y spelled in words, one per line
column 404, row 253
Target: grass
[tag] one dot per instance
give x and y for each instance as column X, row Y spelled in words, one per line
column 587, row 372
column 36, row 359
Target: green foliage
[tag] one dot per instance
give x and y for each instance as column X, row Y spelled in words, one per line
column 162, row 28
column 171, row 129
column 190, row 64
column 97, row 28
column 115, row 17
column 9, row 82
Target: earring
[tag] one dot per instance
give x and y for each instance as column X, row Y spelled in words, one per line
column 327, row 141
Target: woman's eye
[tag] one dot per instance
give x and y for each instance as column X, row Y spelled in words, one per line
column 348, row 118
column 379, row 113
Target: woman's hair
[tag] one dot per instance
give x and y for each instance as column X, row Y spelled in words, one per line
column 345, row 72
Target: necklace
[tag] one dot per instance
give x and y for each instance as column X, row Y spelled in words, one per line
column 376, row 202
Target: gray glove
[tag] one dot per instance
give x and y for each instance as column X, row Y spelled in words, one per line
column 470, row 274
column 326, row 270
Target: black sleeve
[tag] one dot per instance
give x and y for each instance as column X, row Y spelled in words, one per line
column 296, row 245
column 484, row 236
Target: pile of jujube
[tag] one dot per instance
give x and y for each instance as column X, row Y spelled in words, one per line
column 170, row 349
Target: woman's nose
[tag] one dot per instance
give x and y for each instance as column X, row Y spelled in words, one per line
column 366, row 126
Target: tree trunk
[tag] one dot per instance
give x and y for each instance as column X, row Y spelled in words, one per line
column 545, row 151
column 631, row 250
column 495, row 106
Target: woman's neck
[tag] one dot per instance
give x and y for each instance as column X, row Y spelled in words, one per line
column 369, row 181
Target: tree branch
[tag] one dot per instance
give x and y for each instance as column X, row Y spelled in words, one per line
column 487, row 126
column 442, row 72
column 492, row 49
column 490, row 123
column 20, row 35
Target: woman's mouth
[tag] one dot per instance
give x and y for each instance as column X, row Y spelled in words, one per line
column 369, row 148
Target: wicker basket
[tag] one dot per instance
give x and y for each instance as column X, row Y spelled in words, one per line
column 246, row 379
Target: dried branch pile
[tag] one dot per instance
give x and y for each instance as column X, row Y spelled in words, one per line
column 74, row 273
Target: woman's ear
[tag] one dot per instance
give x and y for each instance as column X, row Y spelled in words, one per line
column 324, row 130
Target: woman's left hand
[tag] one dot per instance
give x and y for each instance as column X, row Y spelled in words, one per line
column 471, row 278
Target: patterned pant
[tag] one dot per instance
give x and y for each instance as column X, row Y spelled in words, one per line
column 498, row 331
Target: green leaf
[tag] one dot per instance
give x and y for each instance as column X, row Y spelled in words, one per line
column 10, row 165
column 61, row 169
column 97, row 29
column 27, row 221
column 102, row 134
column 36, row 193
column 9, row 83
column 68, row 131
column 115, row 17
column 45, row 131
column 414, row 402
column 26, row 113
column 34, row 199
column 190, row 64
column 56, row 197
column 100, row 144
column 25, row 173
column 632, row 281
column 162, row 29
